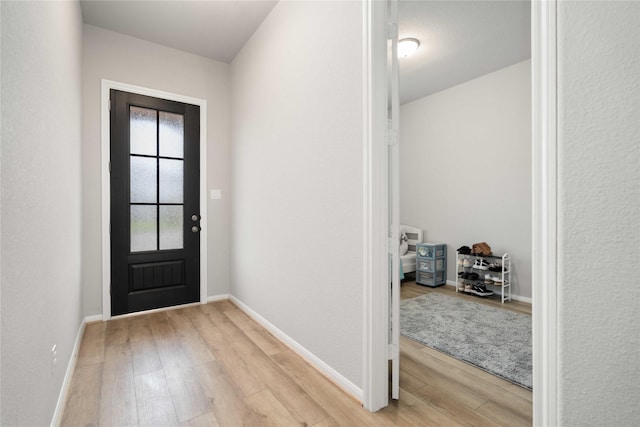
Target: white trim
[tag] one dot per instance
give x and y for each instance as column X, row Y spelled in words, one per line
column 522, row 299
column 375, row 209
column 544, row 223
column 98, row 317
column 513, row 297
column 93, row 318
column 155, row 310
column 106, row 86
column 544, row 170
column 68, row 376
column 221, row 297
column 393, row 180
column 342, row 382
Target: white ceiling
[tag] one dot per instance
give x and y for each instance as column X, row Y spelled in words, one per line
column 214, row 29
column 459, row 41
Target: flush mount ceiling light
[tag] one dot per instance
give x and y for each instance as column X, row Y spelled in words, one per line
column 407, row 47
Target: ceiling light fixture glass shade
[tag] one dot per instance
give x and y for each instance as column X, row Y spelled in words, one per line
column 407, row 47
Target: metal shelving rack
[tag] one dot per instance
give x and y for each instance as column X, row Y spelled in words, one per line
column 505, row 274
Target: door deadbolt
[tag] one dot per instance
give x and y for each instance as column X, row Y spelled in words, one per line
column 195, row 229
column 195, row 217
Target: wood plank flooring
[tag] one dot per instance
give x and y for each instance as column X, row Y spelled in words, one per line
column 411, row 290
column 211, row 365
column 470, row 395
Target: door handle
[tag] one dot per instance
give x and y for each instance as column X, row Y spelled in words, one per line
column 195, row 229
column 195, row 217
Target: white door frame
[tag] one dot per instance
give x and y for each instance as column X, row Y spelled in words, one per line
column 106, row 87
column 393, row 167
column 544, row 214
column 375, row 208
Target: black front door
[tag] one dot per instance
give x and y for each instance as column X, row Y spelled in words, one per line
column 155, row 209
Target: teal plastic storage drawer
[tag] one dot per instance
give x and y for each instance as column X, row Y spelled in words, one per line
column 430, row 265
column 431, row 250
column 431, row 279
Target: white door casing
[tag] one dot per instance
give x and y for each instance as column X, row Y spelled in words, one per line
column 106, row 86
column 544, row 215
column 394, row 195
column 375, row 218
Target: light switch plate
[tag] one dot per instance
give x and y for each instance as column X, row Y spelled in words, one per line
column 216, row 194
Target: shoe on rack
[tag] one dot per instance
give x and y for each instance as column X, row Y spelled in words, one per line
column 460, row 262
column 481, row 264
column 473, row 276
column 464, row 250
column 487, row 279
column 496, row 278
column 467, row 263
column 495, row 266
column 461, row 285
column 468, row 288
column 480, row 290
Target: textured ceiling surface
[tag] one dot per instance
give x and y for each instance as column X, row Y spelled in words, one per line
column 214, row 29
column 460, row 40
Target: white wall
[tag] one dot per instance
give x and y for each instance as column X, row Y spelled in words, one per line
column 297, row 183
column 465, row 156
column 114, row 56
column 41, row 203
column 599, row 212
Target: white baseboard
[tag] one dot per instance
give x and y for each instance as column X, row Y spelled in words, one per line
column 99, row 318
column 221, row 297
column 93, row 318
column 522, row 299
column 71, row 367
column 513, row 297
column 346, row 385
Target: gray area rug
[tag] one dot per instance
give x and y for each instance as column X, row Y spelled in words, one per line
column 496, row 340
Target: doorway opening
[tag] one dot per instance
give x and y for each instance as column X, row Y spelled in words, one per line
column 150, row 252
column 155, row 209
column 465, row 178
column 544, row 219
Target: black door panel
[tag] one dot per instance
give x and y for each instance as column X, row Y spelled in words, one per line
column 155, row 181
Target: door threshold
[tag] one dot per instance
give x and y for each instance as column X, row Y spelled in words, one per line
column 154, row 310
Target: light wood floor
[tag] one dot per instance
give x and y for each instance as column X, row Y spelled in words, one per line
column 210, row 365
column 411, row 290
column 466, row 394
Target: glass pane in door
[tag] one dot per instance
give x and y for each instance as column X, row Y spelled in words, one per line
column 171, row 227
column 144, row 231
column 171, row 181
column 156, row 149
column 143, row 179
column 143, row 131
column 171, row 134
